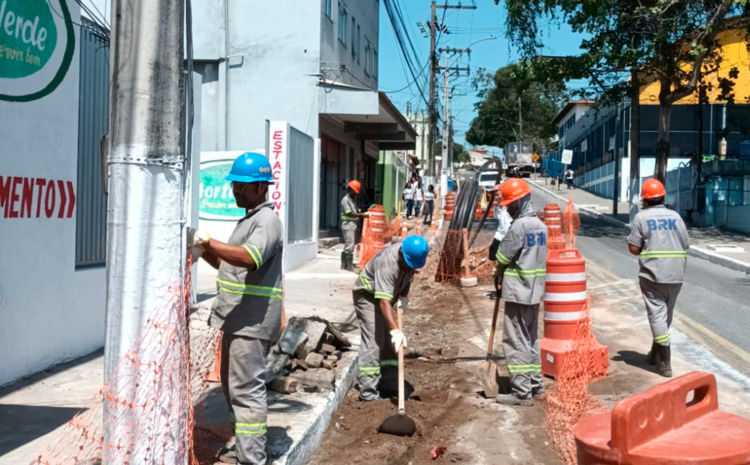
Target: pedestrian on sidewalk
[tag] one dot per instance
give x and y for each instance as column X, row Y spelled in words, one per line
column 418, row 199
column 429, row 204
column 570, row 178
column 660, row 239
column 503, row 219
column 521, row 272
column 349, row 223
column 408, row 197
column 385, row 279
column 248, row 308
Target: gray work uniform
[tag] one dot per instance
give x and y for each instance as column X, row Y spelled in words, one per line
column 348, row 223
column 381, row 279
column 248, row 312
column 664, row 241
column 523, row 251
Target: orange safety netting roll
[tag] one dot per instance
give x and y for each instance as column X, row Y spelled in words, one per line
column 143, row 415
column 571, row 224
column 570, row 401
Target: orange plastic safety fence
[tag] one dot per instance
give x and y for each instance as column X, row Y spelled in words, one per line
column 143, row 415
column 570, row 402
column 458, row 260
column 571, row 224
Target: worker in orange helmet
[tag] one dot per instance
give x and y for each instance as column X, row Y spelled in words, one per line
column 521, row 272
column 349, row 222
column 660, row 239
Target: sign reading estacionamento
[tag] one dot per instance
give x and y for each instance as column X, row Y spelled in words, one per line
column 216, row 199
column 37, row 42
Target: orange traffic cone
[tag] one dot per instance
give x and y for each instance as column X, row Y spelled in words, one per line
column 404, row 230
column 215, row 375
column 433, row 225
column 419, row 228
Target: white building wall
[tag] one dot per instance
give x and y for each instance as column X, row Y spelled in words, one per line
column 51, row 312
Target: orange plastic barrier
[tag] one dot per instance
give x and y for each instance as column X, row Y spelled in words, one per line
column 374, row 232
column 662, row 425
column 565, row 300
column 450, row 205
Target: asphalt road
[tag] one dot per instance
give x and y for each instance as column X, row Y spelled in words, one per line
column 717, row 298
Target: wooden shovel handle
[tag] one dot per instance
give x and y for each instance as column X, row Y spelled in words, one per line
column 492, row 330
column 401, row 406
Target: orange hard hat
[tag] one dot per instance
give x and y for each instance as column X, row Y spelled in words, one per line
column 652, row 189
column 514, row 189
column 355, row 186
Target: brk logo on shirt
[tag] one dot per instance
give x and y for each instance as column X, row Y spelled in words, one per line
column 536, row 239
column 662, row 225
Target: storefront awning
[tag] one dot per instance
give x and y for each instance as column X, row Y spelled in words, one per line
column 367, row 114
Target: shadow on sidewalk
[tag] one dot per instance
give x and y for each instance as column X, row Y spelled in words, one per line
column 634, row 359
column 21, row 424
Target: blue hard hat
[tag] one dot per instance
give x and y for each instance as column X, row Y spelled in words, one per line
column 415, row 250
column 251, row 167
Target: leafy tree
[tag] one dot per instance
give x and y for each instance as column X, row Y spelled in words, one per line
column 672, row 42
column 514, row 107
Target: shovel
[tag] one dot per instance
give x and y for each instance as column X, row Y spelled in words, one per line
column 399, row 424
column 488, row 368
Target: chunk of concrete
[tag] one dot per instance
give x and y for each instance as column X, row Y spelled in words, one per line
column 291, row 339
column 313, row 328
column 329, row 364
column 327, row 349
column 327, row 338
column 339, row 340
column 299, row 364
column 314, row 378
column 284, row 385
column 314, row 360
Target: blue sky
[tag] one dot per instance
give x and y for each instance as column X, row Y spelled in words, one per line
column 465, row 26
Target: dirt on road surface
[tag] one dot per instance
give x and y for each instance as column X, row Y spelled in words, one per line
column 446, row 328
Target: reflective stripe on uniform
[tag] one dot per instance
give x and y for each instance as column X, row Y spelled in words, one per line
column 664, row 254
column 383, row 296
column 525, row 368
column 502, row 258
column 389, row 363
column 249, row 289
column 365, row 282
column 538, row 273
column 254, row 254
column 250, row 428
column 662, row 339
column 369, row 371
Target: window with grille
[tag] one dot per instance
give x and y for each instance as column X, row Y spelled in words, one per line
column 343, row 22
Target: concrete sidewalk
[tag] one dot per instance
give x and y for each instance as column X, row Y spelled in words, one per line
column 703, row 240
column 34, row 411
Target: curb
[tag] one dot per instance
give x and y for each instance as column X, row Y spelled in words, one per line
column 303, row 449
column 693, row 251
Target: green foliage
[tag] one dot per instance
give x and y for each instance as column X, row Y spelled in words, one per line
column 497, row 122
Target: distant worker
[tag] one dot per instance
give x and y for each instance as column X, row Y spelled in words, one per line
column 248, row 308
column 521, row 272
column 408, row 198
column 385, row 279
column 660, row 239
column 418, row 198
column 349, row 222
column 570, row 178
column 501, row 215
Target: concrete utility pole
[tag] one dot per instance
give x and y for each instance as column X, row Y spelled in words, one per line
column 145, row 249
column 446, row 132
column 431, row 111
column 635, row 144
column 433, row 74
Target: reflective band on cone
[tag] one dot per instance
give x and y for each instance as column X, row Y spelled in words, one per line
column 565, row 297
column 564, row 316
column 565, row 277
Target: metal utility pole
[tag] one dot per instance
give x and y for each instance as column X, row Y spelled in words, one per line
column 520, row 121
column 616, row 196
column 635, row 143
column 433, row 74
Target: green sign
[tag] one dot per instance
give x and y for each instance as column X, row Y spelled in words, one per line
column 216, row 200
column 37, row 42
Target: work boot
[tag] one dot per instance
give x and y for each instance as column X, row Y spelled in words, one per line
column 350, row 262
column 343, row 260
column 653, row 356
column 539, row 395
column 228, row 454
column 664, row 366
column 512, row 399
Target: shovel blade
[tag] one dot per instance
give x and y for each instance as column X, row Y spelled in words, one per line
column 398, row 425
column 488, row 375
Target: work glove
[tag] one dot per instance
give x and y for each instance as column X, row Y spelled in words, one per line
column 398, row 339
column 197, row 238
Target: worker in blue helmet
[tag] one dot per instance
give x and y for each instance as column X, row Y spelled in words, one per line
column 248, row 308
column 385, row 279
